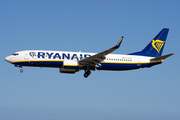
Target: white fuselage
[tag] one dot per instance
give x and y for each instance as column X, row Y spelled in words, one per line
column 44, row 58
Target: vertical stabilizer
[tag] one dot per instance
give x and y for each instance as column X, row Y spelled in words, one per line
column 155, row 47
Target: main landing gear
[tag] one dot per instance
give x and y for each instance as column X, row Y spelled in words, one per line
column 87, row 73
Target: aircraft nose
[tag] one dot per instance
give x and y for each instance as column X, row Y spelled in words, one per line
column 8, row 59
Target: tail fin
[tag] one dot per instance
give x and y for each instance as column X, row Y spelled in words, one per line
column 155, row 47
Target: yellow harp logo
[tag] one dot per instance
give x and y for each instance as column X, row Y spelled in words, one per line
column 157, row 44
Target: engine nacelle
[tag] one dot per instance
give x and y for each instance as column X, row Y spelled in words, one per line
column 70, row 66
column 67, row 70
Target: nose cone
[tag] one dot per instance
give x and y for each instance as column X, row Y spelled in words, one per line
column 8, row 59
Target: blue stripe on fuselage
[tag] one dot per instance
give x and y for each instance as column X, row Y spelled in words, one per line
column 123, row 66
column 102, row 66
column 41, row 63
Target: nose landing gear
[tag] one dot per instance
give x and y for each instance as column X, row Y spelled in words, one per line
column 21, row 70
column 87, row 73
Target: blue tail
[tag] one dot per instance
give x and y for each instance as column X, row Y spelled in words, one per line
column 155, row 47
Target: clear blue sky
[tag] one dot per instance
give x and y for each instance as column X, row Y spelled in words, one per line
column 89, row 26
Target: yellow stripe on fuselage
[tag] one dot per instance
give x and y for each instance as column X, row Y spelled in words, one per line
column 71, row 65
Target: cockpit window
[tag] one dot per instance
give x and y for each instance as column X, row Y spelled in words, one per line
column 15, row 54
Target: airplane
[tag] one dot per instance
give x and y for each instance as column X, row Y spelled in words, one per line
column 72, row 62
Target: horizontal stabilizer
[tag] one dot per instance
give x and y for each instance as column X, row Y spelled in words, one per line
column 162, row 57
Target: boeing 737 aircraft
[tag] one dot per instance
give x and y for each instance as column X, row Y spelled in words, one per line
column 71, row 62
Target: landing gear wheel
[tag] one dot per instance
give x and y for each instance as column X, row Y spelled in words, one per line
column 87, row 73
column 21, row 70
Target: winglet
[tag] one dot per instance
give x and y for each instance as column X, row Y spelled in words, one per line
column 119, row 42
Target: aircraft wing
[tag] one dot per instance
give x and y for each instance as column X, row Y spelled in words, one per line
column 97, row 58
